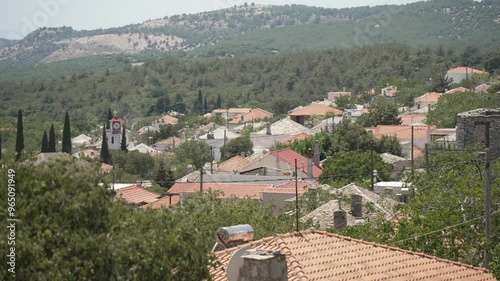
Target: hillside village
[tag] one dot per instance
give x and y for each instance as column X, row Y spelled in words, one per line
column 370, row 163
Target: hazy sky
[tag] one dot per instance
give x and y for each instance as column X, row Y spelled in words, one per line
column 18, row 18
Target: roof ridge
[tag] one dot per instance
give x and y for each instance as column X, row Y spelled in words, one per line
column 394, row 248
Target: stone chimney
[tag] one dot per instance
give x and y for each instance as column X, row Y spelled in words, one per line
column 263, row 265
column 309, row 163
column 268, row 129
column 339, row 218
column 316, row 153
column 356, row 206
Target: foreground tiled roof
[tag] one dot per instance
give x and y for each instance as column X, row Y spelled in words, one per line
column 136, row 194
column 316, row 109
column 234, row 164
column 409, row 119
column 318, row 255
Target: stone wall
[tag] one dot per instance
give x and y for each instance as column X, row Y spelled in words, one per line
column 480, row 127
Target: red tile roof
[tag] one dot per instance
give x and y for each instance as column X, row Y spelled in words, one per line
column 106, row 168
column 289, row 156
column 457, row 90
column 239, row 190
column 318, row 255
column 289, row 187
column 316, row 109
column 167, row 119
column 403, row 133
column 232, row 110
column 234, row 164
column 136, row 194
column 164, row 202
column 460, row 70
column 408, row 119
column 256, row 115
column 429, row 97
column 301, row 136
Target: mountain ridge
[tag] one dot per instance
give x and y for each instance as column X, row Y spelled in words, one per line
column 265, row 29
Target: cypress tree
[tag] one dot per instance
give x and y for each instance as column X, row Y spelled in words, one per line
column 123, row 143
column 110, row 116
column 205, row 105
column 219, row 102
column 52, row 139
column 66, row 139
column 20, row 135
column 105, row 156
column 0, row 147
column 45, row 142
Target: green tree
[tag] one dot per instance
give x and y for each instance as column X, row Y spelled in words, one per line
column 491, row 61
column 110, row 116
column 52, row 139
column 20, row 135
column 195, row 152
column 382, row 112
column 350, row 136
column 163, row 175
column 66, row 139
column 1, row 156
column 389, row 144
column 123, row 142
column 219, row 102
column 105, row 155
column 237, row 146
column 352, row 166
column 45, row 143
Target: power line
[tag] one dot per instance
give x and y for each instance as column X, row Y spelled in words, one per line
column 442, row 229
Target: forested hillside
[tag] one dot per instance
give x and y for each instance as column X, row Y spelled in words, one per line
column 252, row 29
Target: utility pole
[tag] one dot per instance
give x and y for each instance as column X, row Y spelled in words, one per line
column 372, row 167
column 212, row 161
column 487, row 207
column 412, row 158
column 427, row 158
column 296, row 198
column 201, row 179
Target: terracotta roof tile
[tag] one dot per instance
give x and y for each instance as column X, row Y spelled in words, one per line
column 289, row 187
column 239, row 190
column 301, row 136
column 457, row 90
column 234, row 164
column 167, row 119
column 429, row 97
column 403, row 133
column 315, row 109
column 289, row 156
column 408, row 119
column 136, row 194
column 256, row 115
column 460, row 70
column 164, row 202
column 171, row 141
column 319, row 255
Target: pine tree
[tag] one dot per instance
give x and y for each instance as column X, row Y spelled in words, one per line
column 66, row 139
column 123, row 143
column 110, row 116
column 52, row 139
column 105, row 156
column 45, row 142
column 20, row 135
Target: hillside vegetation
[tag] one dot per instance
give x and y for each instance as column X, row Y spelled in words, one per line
column 266, row 30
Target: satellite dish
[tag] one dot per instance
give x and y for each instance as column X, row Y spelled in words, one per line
column 235, row 263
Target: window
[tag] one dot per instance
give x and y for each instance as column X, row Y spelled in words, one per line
column 482, row 134
column 112, row 140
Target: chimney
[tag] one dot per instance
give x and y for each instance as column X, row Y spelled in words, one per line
column 309, row 163
column 268, row 129
column 263, row 265
column 339, row 218
column 356, row 206
column 316, row 153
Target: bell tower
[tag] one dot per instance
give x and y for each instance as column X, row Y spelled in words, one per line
column 114, row 133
